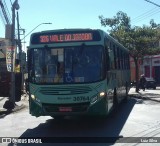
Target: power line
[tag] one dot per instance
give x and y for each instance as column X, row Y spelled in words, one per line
column 152, row 3
column 7, row 10
column 2, row 19
column 147, row 14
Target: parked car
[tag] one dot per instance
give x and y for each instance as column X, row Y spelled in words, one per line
column 150, row 83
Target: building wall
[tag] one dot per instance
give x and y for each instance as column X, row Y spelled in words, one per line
column 151, row 67
column 133, row 69
column 3, row 44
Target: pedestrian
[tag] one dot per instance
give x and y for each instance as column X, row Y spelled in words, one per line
column 17, row 66
column 142, row 82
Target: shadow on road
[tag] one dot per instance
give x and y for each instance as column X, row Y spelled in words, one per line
column 147, row 96
column 95, row 129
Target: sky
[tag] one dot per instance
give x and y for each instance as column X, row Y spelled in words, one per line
column 79, row 14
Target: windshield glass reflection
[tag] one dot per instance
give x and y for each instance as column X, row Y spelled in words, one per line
column 67, row 65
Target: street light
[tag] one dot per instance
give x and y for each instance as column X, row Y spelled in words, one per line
column 34, row 29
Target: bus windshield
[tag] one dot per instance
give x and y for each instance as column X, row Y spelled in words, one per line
column 79, row 64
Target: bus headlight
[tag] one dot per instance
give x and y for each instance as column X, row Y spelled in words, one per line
column 33, row 97
column 96, row 98
column 102, row 94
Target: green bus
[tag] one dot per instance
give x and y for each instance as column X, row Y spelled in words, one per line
column 74, row 72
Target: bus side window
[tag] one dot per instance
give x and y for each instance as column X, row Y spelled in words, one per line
column 128, row 61
column 107, row 49
column 125, row 61
column 115, row 56
column 30, row 64
column 118, row 58
column 111, row 56
column 121, row 62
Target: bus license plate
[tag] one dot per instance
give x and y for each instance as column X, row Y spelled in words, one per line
column 65, row 109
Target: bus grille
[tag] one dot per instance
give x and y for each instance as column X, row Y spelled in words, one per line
column 76, row 107
column 64, row 90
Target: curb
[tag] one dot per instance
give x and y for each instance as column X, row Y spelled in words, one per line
column 1, row 98
column 7, row 112
column 18, row 107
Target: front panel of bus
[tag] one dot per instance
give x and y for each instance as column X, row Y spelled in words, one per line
column 67, row 78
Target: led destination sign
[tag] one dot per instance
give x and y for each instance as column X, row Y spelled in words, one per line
column 43, row 38
column 66, row 37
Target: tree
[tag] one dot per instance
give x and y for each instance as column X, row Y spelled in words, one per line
column 139, row 40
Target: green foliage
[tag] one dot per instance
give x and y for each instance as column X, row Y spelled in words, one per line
column 140, row 41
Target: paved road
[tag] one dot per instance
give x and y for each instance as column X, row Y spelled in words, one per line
column 148, row 94
column 135, row 119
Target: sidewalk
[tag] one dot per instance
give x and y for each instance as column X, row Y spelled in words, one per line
column 148, row 94
column 19, row 105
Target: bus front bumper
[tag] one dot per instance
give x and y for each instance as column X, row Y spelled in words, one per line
column 98, row 108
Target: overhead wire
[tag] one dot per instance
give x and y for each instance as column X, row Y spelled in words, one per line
column 9, row 15
column 2, row 18
column 5, row 15
column 147, row 14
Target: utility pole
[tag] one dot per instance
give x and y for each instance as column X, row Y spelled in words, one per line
column 19, row 42
column 11, row 102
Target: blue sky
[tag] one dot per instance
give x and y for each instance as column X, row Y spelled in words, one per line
column 80, row 13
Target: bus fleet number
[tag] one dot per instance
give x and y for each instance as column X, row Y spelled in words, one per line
column 81, row 98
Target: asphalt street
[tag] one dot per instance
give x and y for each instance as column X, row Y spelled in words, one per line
column 148, row 94
column 131, row 120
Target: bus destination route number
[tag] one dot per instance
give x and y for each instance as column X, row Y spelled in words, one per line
column 66, row 37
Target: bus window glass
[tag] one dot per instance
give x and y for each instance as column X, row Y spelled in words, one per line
column 115, row 56
column 118, row 57
column 68, row 65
